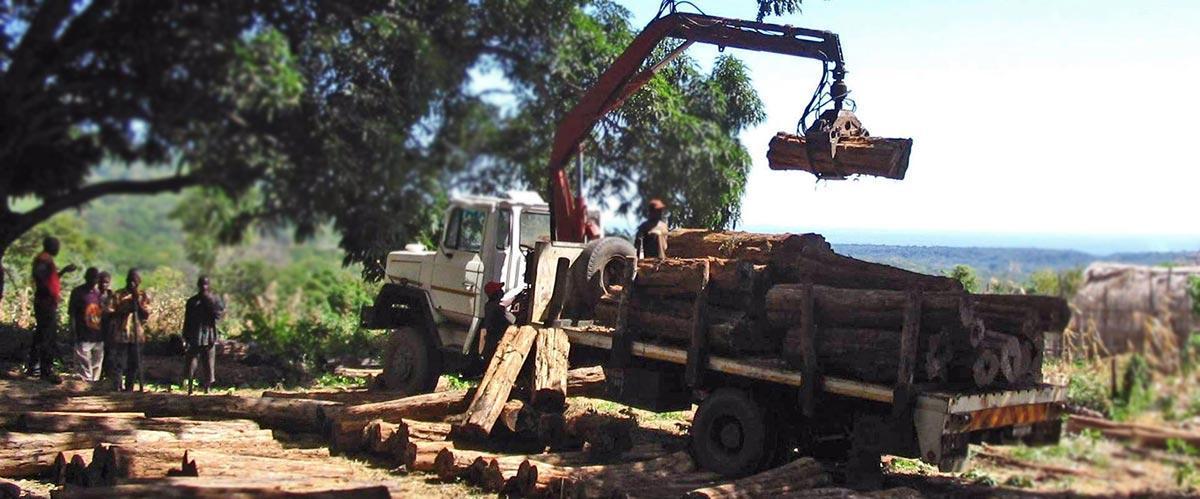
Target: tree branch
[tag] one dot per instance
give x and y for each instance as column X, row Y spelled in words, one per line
column 79, row 197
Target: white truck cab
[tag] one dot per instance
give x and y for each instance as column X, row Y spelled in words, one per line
column 433, row 301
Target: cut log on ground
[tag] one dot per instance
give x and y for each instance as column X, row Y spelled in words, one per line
column 30, row 454
column 345, row 397
column 874, row 156
column 586, row 382
column 206, row 488
column 498, row 381
column 422, row 456
column 803, row 473
column 347, row 428
column 1144, row 435
column 603, row 434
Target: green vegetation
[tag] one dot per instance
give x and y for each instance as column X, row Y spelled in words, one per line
column 1087, row 387
column 1083, row 446
column 965, row 275
column 360, row 117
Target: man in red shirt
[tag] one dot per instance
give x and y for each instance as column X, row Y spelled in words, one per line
column 47, row 294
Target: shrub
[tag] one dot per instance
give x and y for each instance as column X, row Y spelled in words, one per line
column 1087, row 388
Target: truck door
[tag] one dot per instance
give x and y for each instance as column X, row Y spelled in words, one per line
column 458, row 268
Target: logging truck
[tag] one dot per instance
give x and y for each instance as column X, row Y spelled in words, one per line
column 957, row 368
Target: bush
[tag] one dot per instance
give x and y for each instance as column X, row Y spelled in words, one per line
column 1086, row 388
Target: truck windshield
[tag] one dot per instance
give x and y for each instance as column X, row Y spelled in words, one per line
column 534, row 227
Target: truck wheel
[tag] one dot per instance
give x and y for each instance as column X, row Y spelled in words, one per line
column 729, row 433
column 602, row 264
column 864, row 470
column 411, row 365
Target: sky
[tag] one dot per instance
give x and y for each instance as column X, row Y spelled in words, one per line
column 1061, row 123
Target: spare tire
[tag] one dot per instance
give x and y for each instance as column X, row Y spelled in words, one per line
column 602, row 264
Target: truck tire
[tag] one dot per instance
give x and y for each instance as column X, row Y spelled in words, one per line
column 602, row 264
column 411, row 365
column 730, row 435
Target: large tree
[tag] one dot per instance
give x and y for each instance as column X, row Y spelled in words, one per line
column 358, row 114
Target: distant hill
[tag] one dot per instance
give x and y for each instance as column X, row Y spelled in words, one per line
column 1013, row 263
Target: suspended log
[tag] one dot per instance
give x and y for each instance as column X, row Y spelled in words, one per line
column 550, row 366
column 874, row 156
column 804, row 473
column 498, row 381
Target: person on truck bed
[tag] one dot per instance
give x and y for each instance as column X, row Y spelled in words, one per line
column 496, row 319
column 651, row 239
column 200, row 317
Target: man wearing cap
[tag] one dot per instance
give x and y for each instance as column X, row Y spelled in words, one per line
column 496, row 319
column 651, row 239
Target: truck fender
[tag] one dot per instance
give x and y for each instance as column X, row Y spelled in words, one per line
column 400, row 305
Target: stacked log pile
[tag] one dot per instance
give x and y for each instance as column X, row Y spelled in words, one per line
column 773, row 294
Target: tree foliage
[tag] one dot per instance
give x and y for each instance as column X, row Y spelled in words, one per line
column 965, row 275
column 361, row 115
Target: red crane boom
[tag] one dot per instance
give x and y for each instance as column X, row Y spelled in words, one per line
column 569, row 221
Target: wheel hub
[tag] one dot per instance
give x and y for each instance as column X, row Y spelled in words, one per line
column 730, row 436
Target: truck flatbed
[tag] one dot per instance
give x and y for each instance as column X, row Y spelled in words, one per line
column 944, row 419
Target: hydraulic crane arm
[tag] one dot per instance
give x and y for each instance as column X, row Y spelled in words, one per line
column 569, row 220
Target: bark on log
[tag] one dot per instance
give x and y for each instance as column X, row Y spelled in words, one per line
column 874, row 156
column 803, row 473
column 345, row 397
column 1140, row 434
column 498, row 381
column 753, row 248
column 347, row 428
column 1051, row 313
column 551, row 363
column 671, row 276
column 867, row 308
column 230, row 460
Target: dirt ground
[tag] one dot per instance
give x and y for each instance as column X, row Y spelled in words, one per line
column 1084, row 464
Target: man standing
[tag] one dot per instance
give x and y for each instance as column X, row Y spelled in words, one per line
column 200, row 317
column 47, row 295
column 132, row 308
column 108, row 305
column 651, row 239
column 85, row 314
